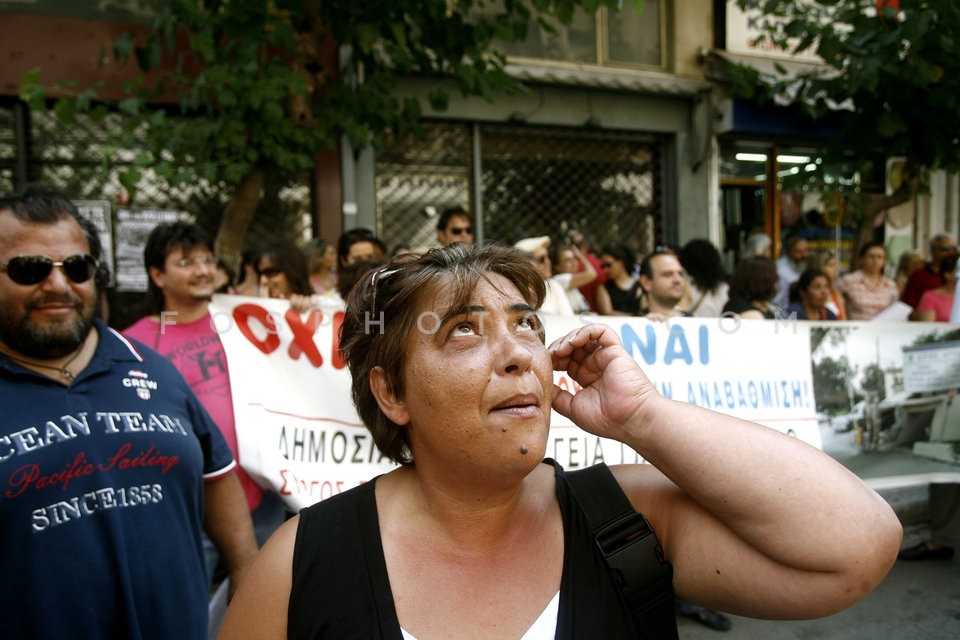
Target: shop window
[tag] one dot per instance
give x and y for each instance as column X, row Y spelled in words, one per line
column 788, row 190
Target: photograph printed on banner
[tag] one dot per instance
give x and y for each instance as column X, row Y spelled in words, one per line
column 887, row 388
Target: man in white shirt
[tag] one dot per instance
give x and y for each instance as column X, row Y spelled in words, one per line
column 790, row 264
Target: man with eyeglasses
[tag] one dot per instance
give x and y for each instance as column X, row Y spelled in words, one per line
column 454, row 225
column 111, row 465
column 928, row 276
column 181, row 268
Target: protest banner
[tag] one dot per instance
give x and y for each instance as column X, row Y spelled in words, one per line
column 299, row 434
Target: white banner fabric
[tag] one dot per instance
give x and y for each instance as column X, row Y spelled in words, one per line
column 299, row 434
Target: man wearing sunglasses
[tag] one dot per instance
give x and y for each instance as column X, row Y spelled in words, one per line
column 454, row 225
column 111, row 465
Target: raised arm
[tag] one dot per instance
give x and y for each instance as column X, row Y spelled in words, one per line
column 586, row 275
column 755, row 522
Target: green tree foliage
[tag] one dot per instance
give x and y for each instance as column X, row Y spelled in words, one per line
column 830, row 379
column 257, row 84
column 872, row 380
column 938, row 336
column 890, row 80
column 893, row 73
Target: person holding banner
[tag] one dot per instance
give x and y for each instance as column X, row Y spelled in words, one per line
column 112, row 467
column 476, row 531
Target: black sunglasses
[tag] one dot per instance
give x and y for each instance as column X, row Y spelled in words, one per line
column 269, row 272
column 459, row 230
column 27, row 270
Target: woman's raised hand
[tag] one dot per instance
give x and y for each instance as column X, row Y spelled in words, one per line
column 615, row 391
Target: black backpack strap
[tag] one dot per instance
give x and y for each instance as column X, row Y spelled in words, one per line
column 629, row 545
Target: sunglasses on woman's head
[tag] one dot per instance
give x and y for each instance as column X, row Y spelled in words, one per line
column 27, row 270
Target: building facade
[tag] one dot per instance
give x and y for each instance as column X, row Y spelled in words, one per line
column 624, row 132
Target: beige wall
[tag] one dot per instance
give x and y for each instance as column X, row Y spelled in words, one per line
column 691, row 25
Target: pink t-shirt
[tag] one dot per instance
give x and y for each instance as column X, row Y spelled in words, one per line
column 940, row 303
column 195, row 350
column 863, row 299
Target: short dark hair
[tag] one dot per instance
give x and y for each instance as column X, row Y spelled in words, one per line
column 621, row 252
column 163, row 240
column 791, row 241
column 755, row 278
column 45, row 204
column 393, row 293
column 804, row 281
column 351, row 237
column 449, row 213
column 351, row 274
column 646, row 265
column 702, row 261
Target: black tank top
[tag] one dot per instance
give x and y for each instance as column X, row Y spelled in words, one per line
column 341, row 590
column 624, row 301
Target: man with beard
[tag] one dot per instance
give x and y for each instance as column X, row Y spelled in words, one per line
column 793, row 262
column 110, row 463
column 180, row 267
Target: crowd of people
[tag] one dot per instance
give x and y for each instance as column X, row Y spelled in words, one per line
column 126, row 500
column 612, row 280
column 691, row 281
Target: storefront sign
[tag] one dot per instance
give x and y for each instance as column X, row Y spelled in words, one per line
column 931, row 367
column 744, row 29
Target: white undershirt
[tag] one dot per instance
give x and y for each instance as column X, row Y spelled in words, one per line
column 543, row 628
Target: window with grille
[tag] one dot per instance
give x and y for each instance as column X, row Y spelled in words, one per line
column 533, row 181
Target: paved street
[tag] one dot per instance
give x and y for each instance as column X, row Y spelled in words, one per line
column 917, row 601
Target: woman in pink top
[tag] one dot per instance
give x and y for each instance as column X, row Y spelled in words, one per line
column 866, row 291
column 935, row 304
